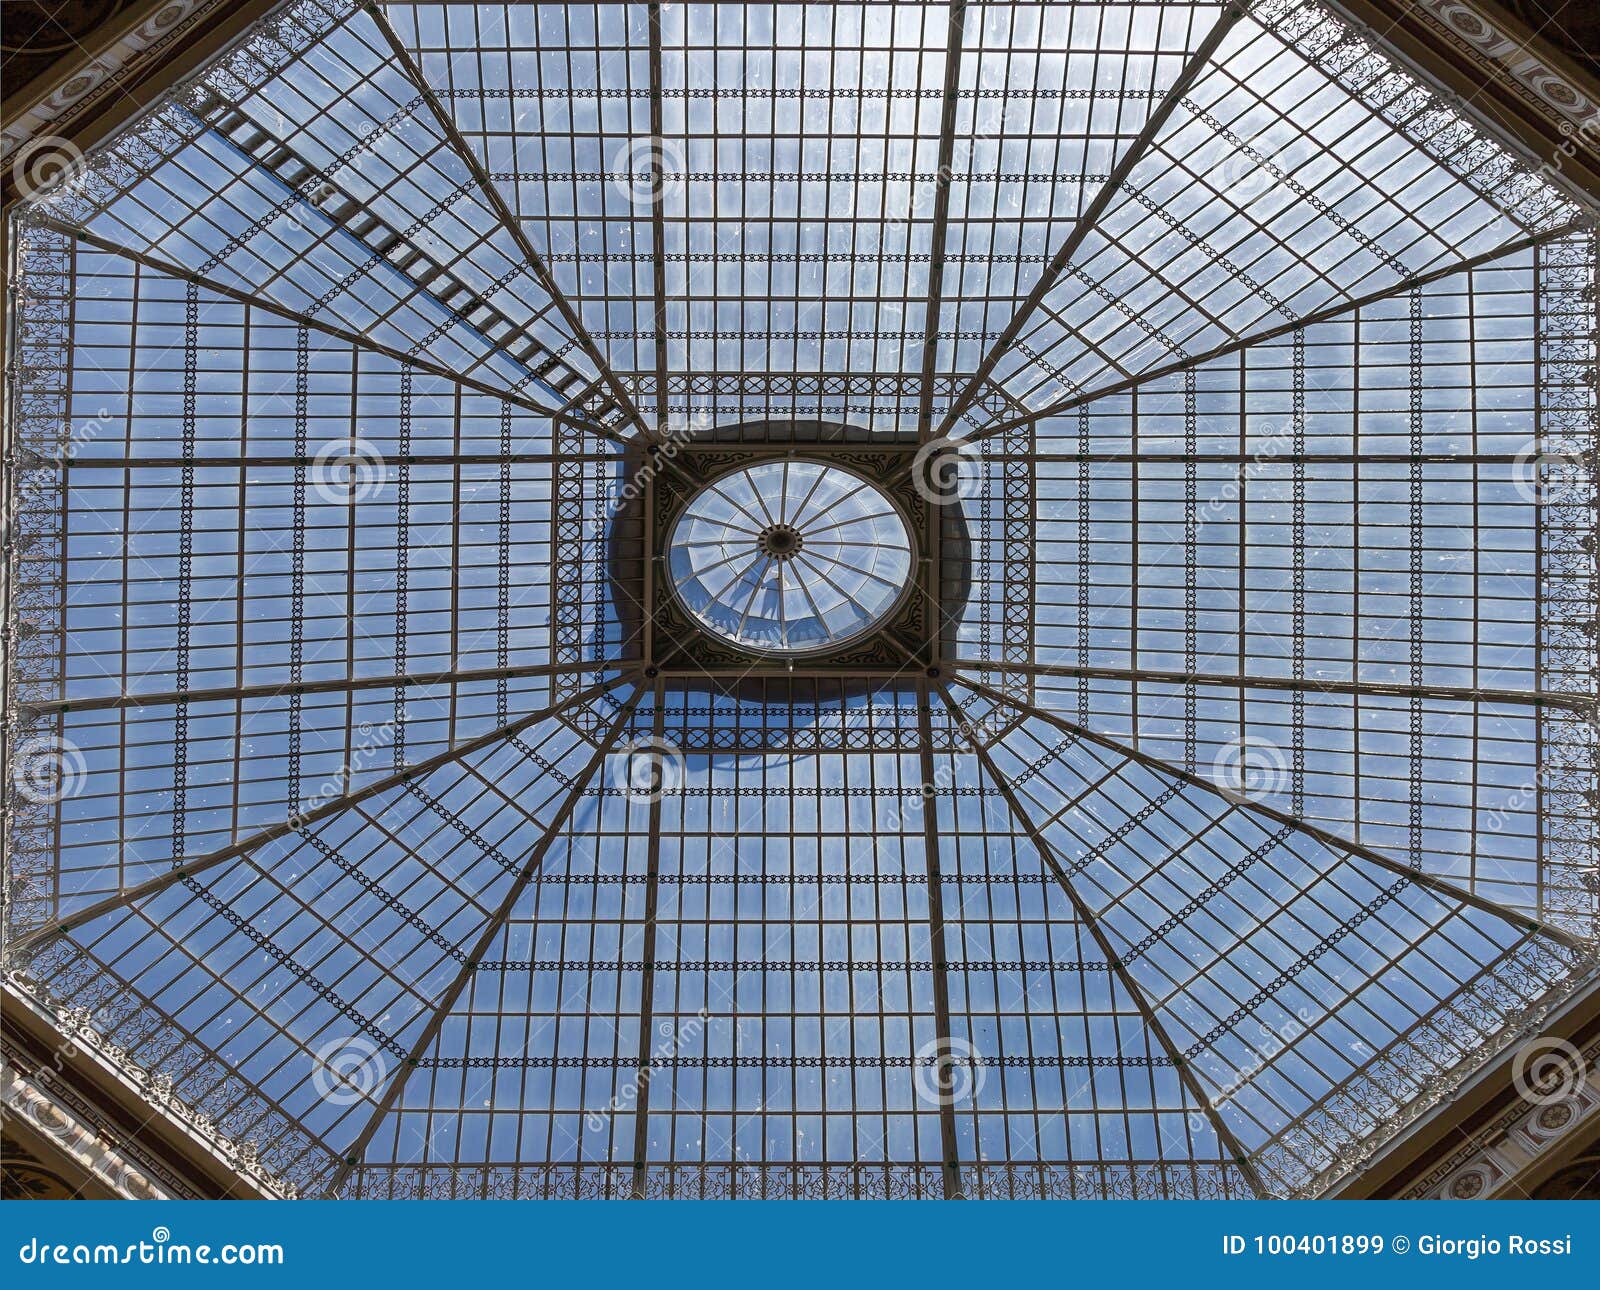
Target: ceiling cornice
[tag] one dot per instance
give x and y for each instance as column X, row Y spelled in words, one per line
column 1490, row 1132
column 1536, row 98
column 107, row 76
column 78, row 1100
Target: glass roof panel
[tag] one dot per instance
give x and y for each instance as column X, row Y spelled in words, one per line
column 554, row 101
column 308, row 168
column 244, row 960
column 1336, row 535
column 1235, row 927
column 1050, row 99
column 1294, row 171
column 1049, row 1026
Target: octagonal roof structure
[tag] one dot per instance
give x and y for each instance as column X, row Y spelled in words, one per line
column 1216, row 791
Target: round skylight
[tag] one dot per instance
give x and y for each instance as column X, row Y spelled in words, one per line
column 790, row 557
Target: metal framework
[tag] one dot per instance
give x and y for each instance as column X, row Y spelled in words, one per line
column 1221, row 794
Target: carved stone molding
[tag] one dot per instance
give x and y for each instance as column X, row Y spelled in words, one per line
column 1545, row 85
column 1496, row 68
column 30, row 1110
column 1503, row 1158
column 75, row 1038
column 102, row 74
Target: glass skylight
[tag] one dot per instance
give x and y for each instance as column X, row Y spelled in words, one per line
column 1235, row 801
column 790, row 556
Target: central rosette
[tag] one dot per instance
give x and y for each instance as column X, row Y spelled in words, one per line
column 790, row 556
